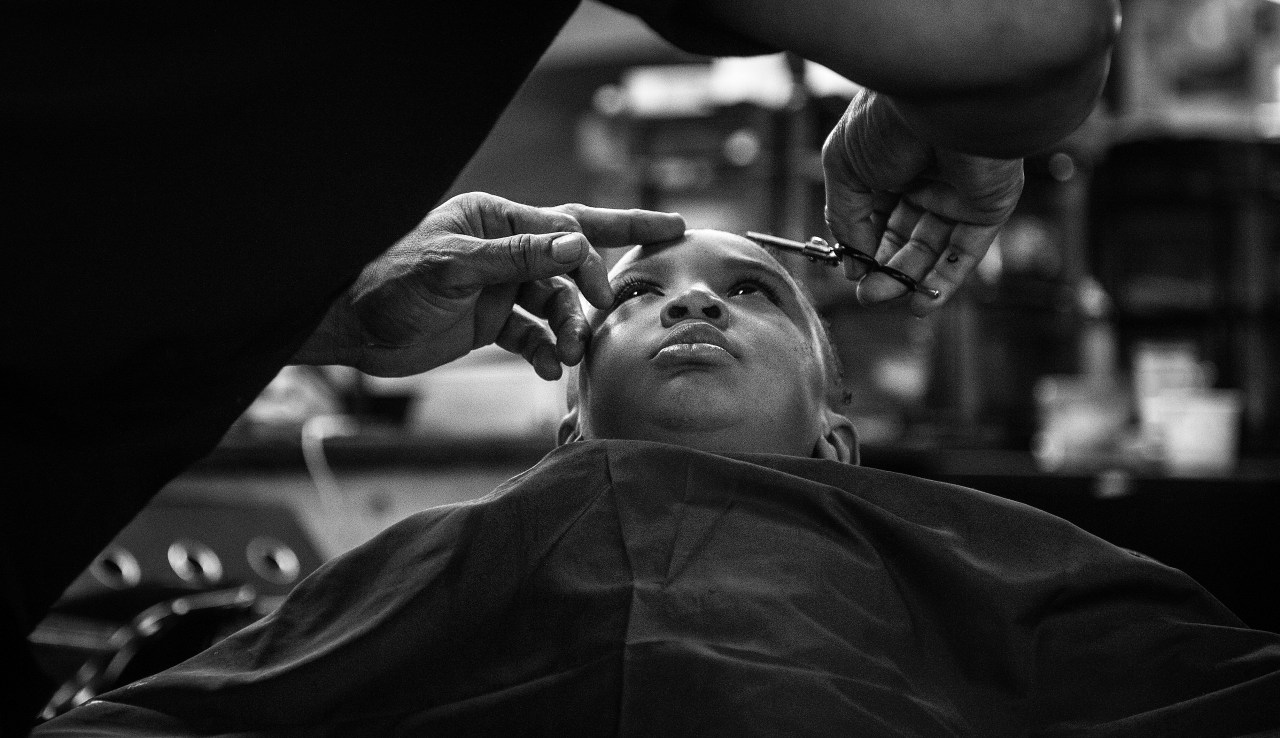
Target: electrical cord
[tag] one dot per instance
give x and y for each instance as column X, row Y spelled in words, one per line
column 315, row 431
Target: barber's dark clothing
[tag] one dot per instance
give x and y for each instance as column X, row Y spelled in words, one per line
column 633, row 589
column 190, row 185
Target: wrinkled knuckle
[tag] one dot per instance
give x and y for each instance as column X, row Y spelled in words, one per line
column 566, row 217
column 553, row 289
column 894, row 240
column 929, row 245
column 439, row 269
column 521, row 253
column 1012, row 185
column 468, row 200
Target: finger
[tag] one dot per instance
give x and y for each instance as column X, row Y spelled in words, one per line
column 929, row 238
column 556, row 301
column 849, row 202
column 897, row 232
column 484, row 215
column 865, row 232
column 492, row 308
column 609, row 228
column 592, row 278
column 525, row 335
column 525, row 257
column 868, row 232
column 899, row 226
column 604, row 227
column 969, row 244
column 479, row 227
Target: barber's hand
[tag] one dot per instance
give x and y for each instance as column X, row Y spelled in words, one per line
column 927, row 211
column 479, row 270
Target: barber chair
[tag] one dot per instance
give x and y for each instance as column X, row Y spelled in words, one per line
column 190, row 569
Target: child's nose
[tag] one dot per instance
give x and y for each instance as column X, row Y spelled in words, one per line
column 695, row 304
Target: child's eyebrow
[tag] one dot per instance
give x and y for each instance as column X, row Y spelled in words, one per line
column 778, row 273
column 652, row 268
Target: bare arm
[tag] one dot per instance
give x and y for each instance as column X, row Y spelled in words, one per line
column 998, row 78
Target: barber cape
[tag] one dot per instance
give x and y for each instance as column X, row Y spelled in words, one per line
column 638, row 589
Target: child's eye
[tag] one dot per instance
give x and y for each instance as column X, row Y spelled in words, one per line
column 631, row 289
column 753, row 287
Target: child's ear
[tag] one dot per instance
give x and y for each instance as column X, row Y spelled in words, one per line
column 839, row 441
column 568, row 431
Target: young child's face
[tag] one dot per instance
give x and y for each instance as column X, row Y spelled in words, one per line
column 709, row 345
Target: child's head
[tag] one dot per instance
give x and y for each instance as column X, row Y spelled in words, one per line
column 711, row 344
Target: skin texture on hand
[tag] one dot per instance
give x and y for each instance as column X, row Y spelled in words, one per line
column 478, row 270
column 928, row 211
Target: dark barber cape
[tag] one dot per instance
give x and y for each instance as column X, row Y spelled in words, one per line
column 625, row 588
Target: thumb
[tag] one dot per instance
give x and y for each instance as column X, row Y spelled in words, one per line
column 524, row 257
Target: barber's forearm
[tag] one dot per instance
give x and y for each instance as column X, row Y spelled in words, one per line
column 993, row 77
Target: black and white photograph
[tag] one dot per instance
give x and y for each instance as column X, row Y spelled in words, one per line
column 646, row 368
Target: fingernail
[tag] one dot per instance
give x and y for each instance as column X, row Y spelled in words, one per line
column 876, row 287
column 567, row 248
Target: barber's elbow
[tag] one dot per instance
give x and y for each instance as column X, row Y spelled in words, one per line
column 1075, row 66
column 1053, row 73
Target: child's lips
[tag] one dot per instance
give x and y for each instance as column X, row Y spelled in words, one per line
column 692, row 353
column 695, row 341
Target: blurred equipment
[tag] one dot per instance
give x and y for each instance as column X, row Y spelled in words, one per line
column 1187, row 243
column 487, row 396
column 1194, row 428
column 1083, row 422
column 1199, row 67
column 190, row 569
column 157, row 638
column 1197, row 430
column 730, row 144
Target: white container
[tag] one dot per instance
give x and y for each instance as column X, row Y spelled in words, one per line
column 1199, row 429
column 1164, row 367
